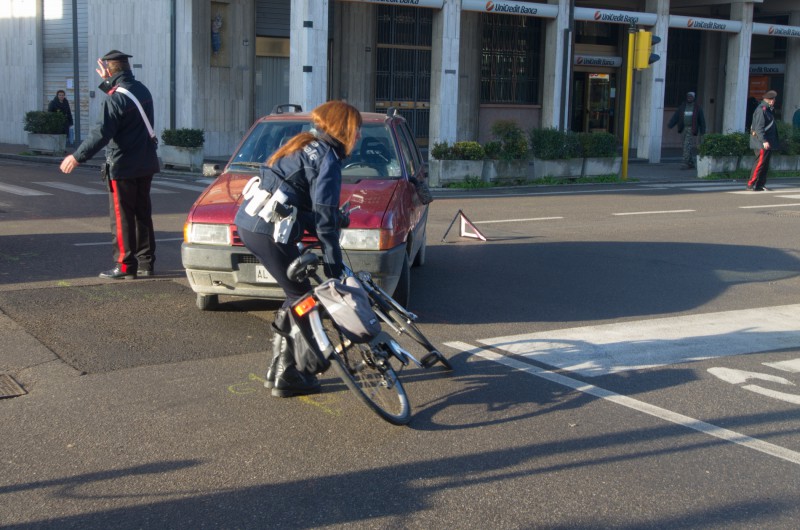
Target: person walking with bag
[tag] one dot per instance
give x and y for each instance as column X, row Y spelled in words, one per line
column 763, row 140
column 126, row 130
column 297, row 191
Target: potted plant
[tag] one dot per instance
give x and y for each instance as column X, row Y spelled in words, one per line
column 507, row 155
column 599, row 151
column 46, row 131
column 455, row 163
column 182, row 148
column 721, row 153
column 556, row 154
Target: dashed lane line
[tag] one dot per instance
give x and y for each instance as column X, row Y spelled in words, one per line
column 634, row 404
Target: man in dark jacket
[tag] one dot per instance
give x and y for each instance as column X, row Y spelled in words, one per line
column 763, row 140
column 691, row 123
column 131, row 161
column 60, row 104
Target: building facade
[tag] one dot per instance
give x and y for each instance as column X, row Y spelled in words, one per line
column 452, row 67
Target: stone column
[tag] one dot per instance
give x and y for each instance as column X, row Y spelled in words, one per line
column 650, row 99
column 737, row 69
column 444, row 72
column 353, row 54
column 791, row 80
column 308, row 53
column 469, row 79
column 554, row 87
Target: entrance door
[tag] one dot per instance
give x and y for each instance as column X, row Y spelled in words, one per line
column 594, row 102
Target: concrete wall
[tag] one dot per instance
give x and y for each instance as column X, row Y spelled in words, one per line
column 20, row 67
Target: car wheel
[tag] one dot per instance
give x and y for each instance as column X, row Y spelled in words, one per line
column 207, row 302
column 419, row 259
column 402, row 292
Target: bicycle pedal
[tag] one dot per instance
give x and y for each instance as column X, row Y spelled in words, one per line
column 430, row 359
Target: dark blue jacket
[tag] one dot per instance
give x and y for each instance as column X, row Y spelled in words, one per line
column 764, row 128
column 312, row 179
column 130, row 151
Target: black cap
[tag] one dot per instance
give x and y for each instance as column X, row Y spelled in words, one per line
column 115, row 55
column 771, row 95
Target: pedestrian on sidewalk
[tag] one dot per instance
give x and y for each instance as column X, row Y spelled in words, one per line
column 692, row 125
column 61, row 104
column 125, row 129
column 763, row 140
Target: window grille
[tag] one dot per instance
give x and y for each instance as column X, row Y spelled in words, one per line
column 683, row 65
column 510, row 60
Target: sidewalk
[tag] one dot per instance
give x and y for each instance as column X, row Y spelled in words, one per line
column 668, row 170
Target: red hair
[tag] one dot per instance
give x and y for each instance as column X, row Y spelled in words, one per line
column 339, row 120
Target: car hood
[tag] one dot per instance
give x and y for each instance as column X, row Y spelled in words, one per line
column 369, row 200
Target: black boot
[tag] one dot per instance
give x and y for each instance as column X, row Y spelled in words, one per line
column 289, row 381
column 280, row 331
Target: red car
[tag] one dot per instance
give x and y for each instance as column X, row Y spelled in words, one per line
column 386, row 235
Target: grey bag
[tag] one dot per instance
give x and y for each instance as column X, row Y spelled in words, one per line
column 349, row 306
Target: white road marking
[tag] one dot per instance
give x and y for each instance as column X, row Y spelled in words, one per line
column 788, row 196
column 64, row 186
column 611, row 348
column 736, row 377
column 109, row 242
column 19, row 190
column 653, row 212
column 179, row 185
column 516, row 220
column 774, row 394
column 792, row 366
column 640, row 406
column 770, row 206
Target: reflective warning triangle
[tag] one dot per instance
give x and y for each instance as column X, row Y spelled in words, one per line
column 468, row 229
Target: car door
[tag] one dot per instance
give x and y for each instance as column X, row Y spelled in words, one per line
column 414, row 169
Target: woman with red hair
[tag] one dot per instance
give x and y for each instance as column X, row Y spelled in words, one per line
column 298, row 190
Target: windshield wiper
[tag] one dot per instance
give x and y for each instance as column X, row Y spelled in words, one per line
column 247, row 164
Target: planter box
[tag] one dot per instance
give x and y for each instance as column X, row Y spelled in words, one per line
column 566, row 168
column 47, row 143
column 706, row 165
column 747, row 162
column 185, row 157
column 783, row 163
column 505, row 170
column 441, row 172
column 595, row 167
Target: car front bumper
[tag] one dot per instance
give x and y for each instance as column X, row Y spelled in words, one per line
column 220, row 270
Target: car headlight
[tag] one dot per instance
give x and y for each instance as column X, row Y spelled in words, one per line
column 363, row 239
column 207, row 234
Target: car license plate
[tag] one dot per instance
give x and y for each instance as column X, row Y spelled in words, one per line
column 262, row 276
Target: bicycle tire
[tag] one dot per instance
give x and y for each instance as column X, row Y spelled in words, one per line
column 368, row 373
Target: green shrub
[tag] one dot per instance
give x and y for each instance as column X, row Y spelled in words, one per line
column 731, row 144
column 789, row 138
column 598, row 144
column 511, row 139
column 42, row 122
column 552, row 144
column 493, row 150
column 458, row 151
column 183, row 137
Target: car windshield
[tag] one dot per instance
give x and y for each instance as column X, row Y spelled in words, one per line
column 374, row 156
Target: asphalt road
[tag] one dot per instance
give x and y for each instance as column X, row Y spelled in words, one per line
column 625, row 356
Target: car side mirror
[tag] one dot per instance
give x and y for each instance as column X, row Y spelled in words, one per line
column 212, row 170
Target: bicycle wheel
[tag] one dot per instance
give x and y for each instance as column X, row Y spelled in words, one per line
column 419, row 346
column 367, row 371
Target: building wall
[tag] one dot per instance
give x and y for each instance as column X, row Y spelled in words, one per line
column 20, row 67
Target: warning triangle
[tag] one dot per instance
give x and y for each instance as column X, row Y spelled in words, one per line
column 467, row 228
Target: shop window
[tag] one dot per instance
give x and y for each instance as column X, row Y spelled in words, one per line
column 510, row 59
column 597, row 33
column 683, row 65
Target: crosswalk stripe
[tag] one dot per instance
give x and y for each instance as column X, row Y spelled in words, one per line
column 611, row 348
column 19, row 190
column 179, row 185
column 64, row 186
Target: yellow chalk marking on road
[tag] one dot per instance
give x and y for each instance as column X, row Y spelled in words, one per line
column 319, row 401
